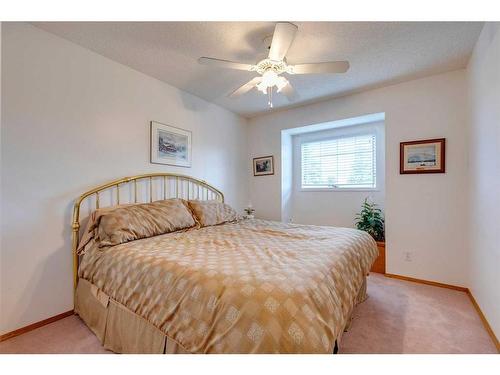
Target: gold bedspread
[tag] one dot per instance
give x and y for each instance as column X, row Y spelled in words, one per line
column 249, row 287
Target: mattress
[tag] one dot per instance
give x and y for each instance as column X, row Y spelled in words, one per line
column 248, row 287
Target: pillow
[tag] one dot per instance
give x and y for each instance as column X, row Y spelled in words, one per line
column 212, row 212
column 143, row 220
column 92, row 223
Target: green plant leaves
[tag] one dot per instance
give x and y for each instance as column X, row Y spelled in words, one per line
column 371, row 220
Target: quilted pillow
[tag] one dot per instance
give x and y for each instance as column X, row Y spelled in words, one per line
column 212, row 212
column 143, row 220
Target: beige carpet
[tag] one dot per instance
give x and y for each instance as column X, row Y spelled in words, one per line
column 397, row 317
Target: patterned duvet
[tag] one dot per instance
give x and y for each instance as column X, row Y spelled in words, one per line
column 248, row 287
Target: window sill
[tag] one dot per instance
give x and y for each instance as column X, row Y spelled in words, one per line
column 314, row 190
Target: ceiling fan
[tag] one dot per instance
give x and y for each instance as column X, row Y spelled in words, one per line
column 271, row 68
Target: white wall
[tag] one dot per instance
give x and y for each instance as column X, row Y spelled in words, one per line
column 424, row 213
column 338, row 208
column 72, row 119
column 484, row 99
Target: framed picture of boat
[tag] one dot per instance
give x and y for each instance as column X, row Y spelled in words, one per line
column 425, row 156
column 170, row 145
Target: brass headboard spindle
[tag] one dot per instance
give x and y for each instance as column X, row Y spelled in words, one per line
column 75, row 221
column 150, row 189
column 164, row 187
column 135, row 191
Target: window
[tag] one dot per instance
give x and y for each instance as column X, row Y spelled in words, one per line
column 347, row 162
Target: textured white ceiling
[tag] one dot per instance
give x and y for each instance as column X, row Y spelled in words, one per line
column 380, row 53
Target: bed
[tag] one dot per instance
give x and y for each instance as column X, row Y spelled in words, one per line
column 244, row 286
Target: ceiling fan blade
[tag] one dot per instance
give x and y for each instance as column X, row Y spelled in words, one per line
column 225, row 64
column 289, row 92
column 324, row 67
column 283, row 36
column 246, row 87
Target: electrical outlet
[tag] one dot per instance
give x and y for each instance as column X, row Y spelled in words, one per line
column 408, row 256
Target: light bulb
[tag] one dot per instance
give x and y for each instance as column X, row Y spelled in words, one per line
column 269, row 78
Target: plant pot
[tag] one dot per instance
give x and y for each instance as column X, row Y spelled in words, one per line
column 379, row 264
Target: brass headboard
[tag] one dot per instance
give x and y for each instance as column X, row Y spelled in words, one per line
column 171, row 185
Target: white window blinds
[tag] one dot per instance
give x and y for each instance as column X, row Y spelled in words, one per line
column 345, row 162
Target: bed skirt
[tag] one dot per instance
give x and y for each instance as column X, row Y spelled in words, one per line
column 123, row 331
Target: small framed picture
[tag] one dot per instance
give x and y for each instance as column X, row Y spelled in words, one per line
column 263, row 166
column 170, row 145
column 425, row 156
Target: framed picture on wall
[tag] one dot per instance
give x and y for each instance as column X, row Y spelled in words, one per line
column 263, row 166
column 170, row 145
column 425, row 156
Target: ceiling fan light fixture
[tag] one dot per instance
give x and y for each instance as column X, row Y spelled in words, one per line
column 262, row 88
column 281, row 83
column 270, row 78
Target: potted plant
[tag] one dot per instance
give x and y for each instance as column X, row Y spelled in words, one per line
column 371, row 220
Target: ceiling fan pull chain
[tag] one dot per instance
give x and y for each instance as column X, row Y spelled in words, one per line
column 270, row 95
